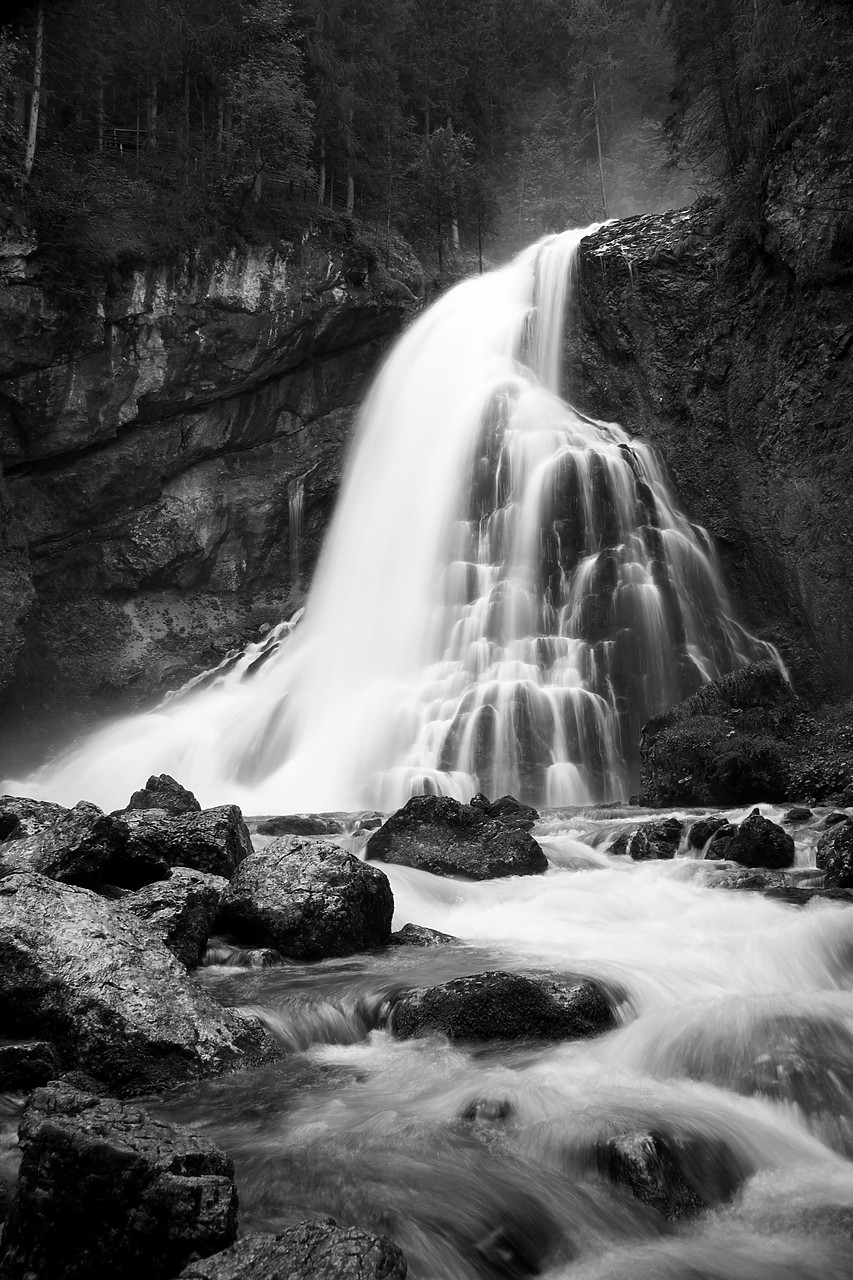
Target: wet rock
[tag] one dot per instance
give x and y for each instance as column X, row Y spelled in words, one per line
column 799, row 813
column 85, row 846
column 753, row 879
column 676, row 1176
column 487, row 1110
column 300, row 824
column 757, row 842
column 318, row 1250
column 799, row 896
column 507, row 809
column 417, row 935
column 214, row 841
column 308, row 899
column 92, row 979
column 223, row 951
column 105, row 1191
column 438, row 834
column 21, row 817
column 834, row 855
column 162, row 792
column 24, row 1064
column 180, row 911
column 502, row 1006
column 653, row 840
column 833, row 819
column 709, row 829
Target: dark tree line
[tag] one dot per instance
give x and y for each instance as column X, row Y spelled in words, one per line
column 139, row 128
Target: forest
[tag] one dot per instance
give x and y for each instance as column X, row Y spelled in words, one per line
column 137, row 131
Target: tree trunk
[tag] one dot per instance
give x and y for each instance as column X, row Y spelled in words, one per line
column 321, row 171
column 151, row 114
column 350, row 192
column 100, row 115
column 598, row 143
column 35, row 101
column 219, row 136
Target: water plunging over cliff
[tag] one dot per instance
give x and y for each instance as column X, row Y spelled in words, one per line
column 506, row 593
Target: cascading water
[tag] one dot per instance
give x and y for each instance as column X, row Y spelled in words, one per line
column 505, row 595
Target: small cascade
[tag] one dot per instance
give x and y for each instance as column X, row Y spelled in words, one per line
column 296, row 515
column 506, row 594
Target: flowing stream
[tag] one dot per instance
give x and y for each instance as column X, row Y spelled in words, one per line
column 734, row 1044
column 506, row 594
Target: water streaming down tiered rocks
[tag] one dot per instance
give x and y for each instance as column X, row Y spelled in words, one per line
column 506, row 594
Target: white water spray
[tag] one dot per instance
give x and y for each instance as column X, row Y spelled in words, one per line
column 505, row 595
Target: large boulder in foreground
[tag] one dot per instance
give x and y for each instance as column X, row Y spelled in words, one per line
column 834, row 855
column 755, row 842
column 213, row 840
column 308, row 899
column 180, row 911
column 477, row 840
column 724, row 745
column 115, row 1003
column 318, row 1250
column 87, row 847
column 502, row 1006
column 105, row 1191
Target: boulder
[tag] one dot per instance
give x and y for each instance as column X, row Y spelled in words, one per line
column 798, row 813
column 308, row 899
column 754, row 879
column 180, row 911
column 214, row 840
column 438, row 834
column 653, row 840
column 676, row 1176
column 417, row 935
column 21, row 817
column 24, row 1064
column 85, row 846
column 300, row 824
column 318, row 1250
column 508, row 810
column 834, row 855
column 502, row 1006
column 833, row 819
column 93, row 980
column 105, row 1191
column 705, row 830
column 162, row 792
column 756, row 842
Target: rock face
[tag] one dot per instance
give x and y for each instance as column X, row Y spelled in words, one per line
column 438, row 834
column 214, row 841
column 503, row 1006
column 737, row 370
column 21, row 817
column 834, row 856
column 309, row 1251
column 308, row 899
column 153, row 446
column 105, row 1191
column 180, row 911
column 85, row 846
column 114, row 1002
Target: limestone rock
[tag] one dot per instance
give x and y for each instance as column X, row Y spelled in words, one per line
column 214, row 840
column 834, row 855
column 115, row 1003
column 318, row 1250
column 308, row 899
column 86, row 847
column 502, row 1006
column 105, row 1191
column 162, row 792
column 180, row 911
column 438, row 834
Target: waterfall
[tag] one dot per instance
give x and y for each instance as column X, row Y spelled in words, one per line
column 506, row 593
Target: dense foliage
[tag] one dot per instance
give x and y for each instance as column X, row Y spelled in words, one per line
column 137, row 129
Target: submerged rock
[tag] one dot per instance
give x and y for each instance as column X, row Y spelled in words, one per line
column 308, row 899
column 85, row 846
column 319, row 1250
column 180, row 911
column 653, row 840
column 834, row 855
column 756, row 842
column 114, row 1002
column 214, row 840
column 438, row 834
column 676, row 1176
column 162, row 792
column 502, row 1006
column 417, row 935
column 798, row 813
column 105, row 1191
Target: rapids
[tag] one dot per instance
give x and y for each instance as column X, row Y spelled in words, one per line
column 734, row 1043
column 506, row 593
